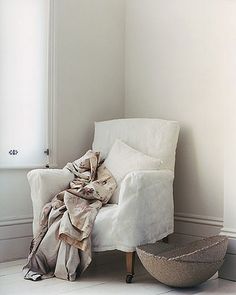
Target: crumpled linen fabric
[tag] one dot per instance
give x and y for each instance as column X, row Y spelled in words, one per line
column 62, row 247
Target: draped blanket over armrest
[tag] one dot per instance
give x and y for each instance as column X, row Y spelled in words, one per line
column 62, row 246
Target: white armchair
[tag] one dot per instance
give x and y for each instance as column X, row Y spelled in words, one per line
column 144, row 213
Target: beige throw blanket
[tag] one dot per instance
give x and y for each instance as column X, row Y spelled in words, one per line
column 62, row 247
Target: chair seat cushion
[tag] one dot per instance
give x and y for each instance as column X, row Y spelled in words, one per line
column 103, row 238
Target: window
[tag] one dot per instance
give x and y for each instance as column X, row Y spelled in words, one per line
column 24, row 87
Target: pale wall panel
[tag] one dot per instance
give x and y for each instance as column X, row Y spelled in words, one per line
column 175, row 69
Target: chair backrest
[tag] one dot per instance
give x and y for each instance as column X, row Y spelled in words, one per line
column 154, row 137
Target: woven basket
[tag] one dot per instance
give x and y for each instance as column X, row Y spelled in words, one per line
column 184, row 266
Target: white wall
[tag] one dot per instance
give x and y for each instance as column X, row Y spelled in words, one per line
column 229, row 71
column 90, row 70
column 89, row 47
column 228, row 271
column 176, row 65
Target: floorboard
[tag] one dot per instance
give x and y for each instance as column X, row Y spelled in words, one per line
column 101, row 279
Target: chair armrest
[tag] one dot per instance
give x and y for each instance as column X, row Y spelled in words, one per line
column 145, row 209
column 44, row 185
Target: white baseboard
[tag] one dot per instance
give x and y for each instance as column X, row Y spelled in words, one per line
column 14, row 249
column 199, row 219
column 189, row 227
column 16, row 233
column 15, row 237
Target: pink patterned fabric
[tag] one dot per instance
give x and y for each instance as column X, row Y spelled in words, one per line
column 62, row 247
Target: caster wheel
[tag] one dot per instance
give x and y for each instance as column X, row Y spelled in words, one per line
column 129, row 279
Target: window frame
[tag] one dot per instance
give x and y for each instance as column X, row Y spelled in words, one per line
column 52, row 107
column 51, row 131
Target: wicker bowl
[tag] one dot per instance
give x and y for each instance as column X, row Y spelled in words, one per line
column 185, row 266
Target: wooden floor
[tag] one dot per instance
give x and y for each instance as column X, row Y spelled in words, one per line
column 101, row 278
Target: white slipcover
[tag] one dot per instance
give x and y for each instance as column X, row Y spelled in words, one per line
column 154, row 137
column 145, row 210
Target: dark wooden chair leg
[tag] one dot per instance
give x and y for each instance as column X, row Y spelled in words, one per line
column 130, row 256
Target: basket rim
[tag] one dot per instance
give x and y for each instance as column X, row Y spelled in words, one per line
column 183, row 261
column 223, row 239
